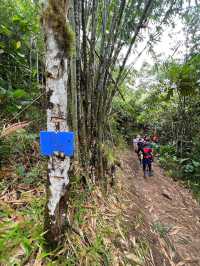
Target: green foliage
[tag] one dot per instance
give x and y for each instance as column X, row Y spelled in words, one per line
column 167, row 159
column 21, row 72
column 20, row 170
column 125, row 112
column 186, row 169
column 19, row 145
column 191, row 22
column 184, row 76
column 161, row 229
column 20, row 48
column 21, row 236
column 35, row 174
column 20, row 151
column 167, row 150
column 171, row 106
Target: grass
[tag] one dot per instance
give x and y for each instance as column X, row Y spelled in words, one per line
column 21, row 232
column 194, row 185
column 161, row 229
column 22, row 236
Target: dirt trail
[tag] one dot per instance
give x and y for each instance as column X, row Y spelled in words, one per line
column 170, row 209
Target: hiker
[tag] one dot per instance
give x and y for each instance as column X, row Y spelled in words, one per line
column 139, row 149
column 147, row 160
column 155, row 139
column 145, row 138
column 135, row 143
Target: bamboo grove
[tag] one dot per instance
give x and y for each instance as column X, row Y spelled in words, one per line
column 106, row 33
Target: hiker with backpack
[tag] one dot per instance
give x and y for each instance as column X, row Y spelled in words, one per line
column 147, row 152
column 139, row 149
column 135, row 143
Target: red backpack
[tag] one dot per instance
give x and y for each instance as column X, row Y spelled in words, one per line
column 147, row 153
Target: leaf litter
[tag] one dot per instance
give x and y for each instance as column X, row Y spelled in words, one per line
column 113, row 228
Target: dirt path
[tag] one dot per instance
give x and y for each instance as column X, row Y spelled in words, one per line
column 170, row 209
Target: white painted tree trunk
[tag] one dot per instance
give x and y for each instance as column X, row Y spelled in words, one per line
column 56, row 86
column 58, row 165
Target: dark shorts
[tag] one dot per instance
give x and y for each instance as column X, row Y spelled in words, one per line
column 147, row 161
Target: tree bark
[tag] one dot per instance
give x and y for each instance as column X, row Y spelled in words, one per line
column 56, row 89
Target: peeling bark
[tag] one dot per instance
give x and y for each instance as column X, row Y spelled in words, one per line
column 56, row 88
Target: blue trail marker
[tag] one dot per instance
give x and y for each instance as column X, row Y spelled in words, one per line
column 51, row 141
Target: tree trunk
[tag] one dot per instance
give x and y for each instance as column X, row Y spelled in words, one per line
column 55, row 30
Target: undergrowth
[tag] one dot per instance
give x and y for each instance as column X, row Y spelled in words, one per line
column 22, row 235
column 185, row 169
column 93, row 237
column 98, row 227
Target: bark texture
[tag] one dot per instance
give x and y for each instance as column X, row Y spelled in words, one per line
column 56, row 32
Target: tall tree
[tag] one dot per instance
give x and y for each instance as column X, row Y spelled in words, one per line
column 57, row 41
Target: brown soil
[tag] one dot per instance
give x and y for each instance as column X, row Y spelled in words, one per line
column 172, row 214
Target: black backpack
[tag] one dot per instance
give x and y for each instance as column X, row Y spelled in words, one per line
column 140, row 145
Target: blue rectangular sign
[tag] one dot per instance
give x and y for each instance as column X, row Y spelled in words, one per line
column 51, row 141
